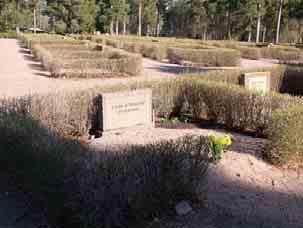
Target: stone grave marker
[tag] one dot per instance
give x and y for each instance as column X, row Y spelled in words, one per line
column 126, row 109
column 259, row 81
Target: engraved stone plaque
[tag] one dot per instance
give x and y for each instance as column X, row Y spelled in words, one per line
column 126, row 109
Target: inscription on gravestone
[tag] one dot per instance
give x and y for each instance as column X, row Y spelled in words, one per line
column 259, row 81
column 126, row 109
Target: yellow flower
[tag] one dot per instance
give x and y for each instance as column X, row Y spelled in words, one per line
column 223, row 140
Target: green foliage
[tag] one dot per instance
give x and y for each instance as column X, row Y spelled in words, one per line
column 88, row 13
column 286, row 144
column 8, row 16
column 66, row 13
column 60, row 27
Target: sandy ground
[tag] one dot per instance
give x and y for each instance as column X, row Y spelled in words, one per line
column 243, row 190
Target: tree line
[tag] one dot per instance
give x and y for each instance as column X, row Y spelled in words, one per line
column 247, row 20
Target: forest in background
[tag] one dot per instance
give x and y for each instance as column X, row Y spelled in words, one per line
column 245, row 20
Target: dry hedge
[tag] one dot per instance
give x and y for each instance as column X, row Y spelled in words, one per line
column 284, row 131
column 207, row 57
column 81, row 61
column 281, row 53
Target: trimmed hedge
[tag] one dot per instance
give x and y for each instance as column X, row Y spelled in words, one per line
column 81, row 61
column 235, row 76
column 285, row 133
column 247, row 50
column 150, row 50
column 250, row 52
column 281, row 53
column 207, row 57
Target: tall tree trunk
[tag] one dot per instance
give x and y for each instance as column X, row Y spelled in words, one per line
column 205, row 33
column 140, row 18
column 111, row 27
column 117, row 27
column 124, row 25
column 249, row 34
column 258, row 23
column 264, row 35
column 147, row 30
column 158, row 22
column 249, row 31
column 35, row 20
column 229, row 22
column 279, row 22
column 17, row 8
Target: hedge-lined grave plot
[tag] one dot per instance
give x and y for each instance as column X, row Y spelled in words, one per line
column 75, row 59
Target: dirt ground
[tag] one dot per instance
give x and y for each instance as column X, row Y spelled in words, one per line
column 243, row 190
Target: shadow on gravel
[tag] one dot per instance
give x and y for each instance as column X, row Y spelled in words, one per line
column 33, row 63
column 25, row 51
column 177, row 69
column 234, row 204
column 245, row 205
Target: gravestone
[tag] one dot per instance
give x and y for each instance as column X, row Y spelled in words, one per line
column 259, row 81
column 126, row 109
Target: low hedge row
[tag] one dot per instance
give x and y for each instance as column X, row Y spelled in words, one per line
column 253, row 51
column 250, row 52
column 150, row 50
column 286, row 143
column 235, row 76
column 207, row 57
column 247, row 51
column 70, row 58
column 281, row 53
